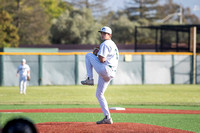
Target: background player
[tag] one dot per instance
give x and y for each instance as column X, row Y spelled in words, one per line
column 105, row 64
column 24, row 72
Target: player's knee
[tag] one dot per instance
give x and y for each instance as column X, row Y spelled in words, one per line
column 88, row 55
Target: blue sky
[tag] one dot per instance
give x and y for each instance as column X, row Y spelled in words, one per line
column 194, row 5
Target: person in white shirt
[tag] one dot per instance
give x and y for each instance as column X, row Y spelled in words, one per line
column 105, row 64
column 23, row 71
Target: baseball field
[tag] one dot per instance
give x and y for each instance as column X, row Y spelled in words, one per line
column 149, row 108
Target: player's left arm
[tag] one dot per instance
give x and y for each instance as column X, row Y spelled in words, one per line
column 17, row 72
column 29, row 72
column 27, row 69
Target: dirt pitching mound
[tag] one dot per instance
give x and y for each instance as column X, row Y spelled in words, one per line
column 91, row 127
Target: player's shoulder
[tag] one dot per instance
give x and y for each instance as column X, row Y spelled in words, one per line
column 109, row 43
column 20, row 65
column 26, row 65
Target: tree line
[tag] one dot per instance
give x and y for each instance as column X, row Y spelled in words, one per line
column 46, row 22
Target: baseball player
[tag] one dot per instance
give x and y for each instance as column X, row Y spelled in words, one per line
column 105, row 62
column 24, row 73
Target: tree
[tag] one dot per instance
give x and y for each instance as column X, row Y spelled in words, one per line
column 97, row 6
column 142, row 9
column 190, row 18
column 75, row 27
column 173, row 9
column 8, row 32
column 54, row 8
column 30, row 19
column 111, row 16
column 123, row 30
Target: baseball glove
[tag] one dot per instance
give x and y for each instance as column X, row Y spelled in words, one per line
column 29, row 78
column 95, row 51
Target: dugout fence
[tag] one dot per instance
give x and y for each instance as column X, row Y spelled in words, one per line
column 166, row 38
column 69, row 68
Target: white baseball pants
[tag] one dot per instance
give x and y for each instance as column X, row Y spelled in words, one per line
column 105, row 75
column 22, row 84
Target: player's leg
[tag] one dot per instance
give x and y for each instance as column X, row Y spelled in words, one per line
column 21, row 86
column 101, row 88
column 24, row 86
column 91, row 61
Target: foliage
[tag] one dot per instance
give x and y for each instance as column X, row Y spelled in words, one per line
column 30, row 19
column 145, row 36
column 54, row 8
column 75, row 27
column 8, row 32
column 170, row 8
column 57, row 21
column 123, row 30
column 96, row 6
column 190, row 18
column 145, row 9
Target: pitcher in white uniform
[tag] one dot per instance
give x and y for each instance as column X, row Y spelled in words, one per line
column 23, row 71
column 105, row 64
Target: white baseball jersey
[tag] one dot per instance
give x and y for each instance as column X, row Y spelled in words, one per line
column 23, row 70
column 109, row 50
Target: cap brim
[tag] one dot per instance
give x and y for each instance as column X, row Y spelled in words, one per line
column 103, row 32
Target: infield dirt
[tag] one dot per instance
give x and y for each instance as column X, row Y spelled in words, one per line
column 92, row 127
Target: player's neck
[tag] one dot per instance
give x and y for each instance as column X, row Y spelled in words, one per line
column 107, row 39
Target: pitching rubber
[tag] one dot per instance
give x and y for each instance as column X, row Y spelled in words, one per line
column 117, row 108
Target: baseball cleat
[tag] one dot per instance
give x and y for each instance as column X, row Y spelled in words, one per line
column 105, row 121
column 88, row 82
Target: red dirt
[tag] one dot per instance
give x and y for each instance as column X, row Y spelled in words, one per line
column 91, row 127
column 98, row 110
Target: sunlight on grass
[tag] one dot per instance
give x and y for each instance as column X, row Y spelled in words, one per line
column 121, row 94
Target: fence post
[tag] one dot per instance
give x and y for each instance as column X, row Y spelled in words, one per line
column 1, row 70
column 76, row 69
column 172, row 70
column 193, row 31
column 40, row 69
column 143, row 69
column 136, row 38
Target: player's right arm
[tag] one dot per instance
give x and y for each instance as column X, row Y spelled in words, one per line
column 101, row 59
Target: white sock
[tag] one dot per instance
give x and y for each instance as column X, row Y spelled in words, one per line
column 90, row 78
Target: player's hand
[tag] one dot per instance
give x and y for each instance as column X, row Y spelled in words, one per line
column 96, row 50
column 28, row 77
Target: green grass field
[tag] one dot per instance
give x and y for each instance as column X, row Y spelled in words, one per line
column 129, row 96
